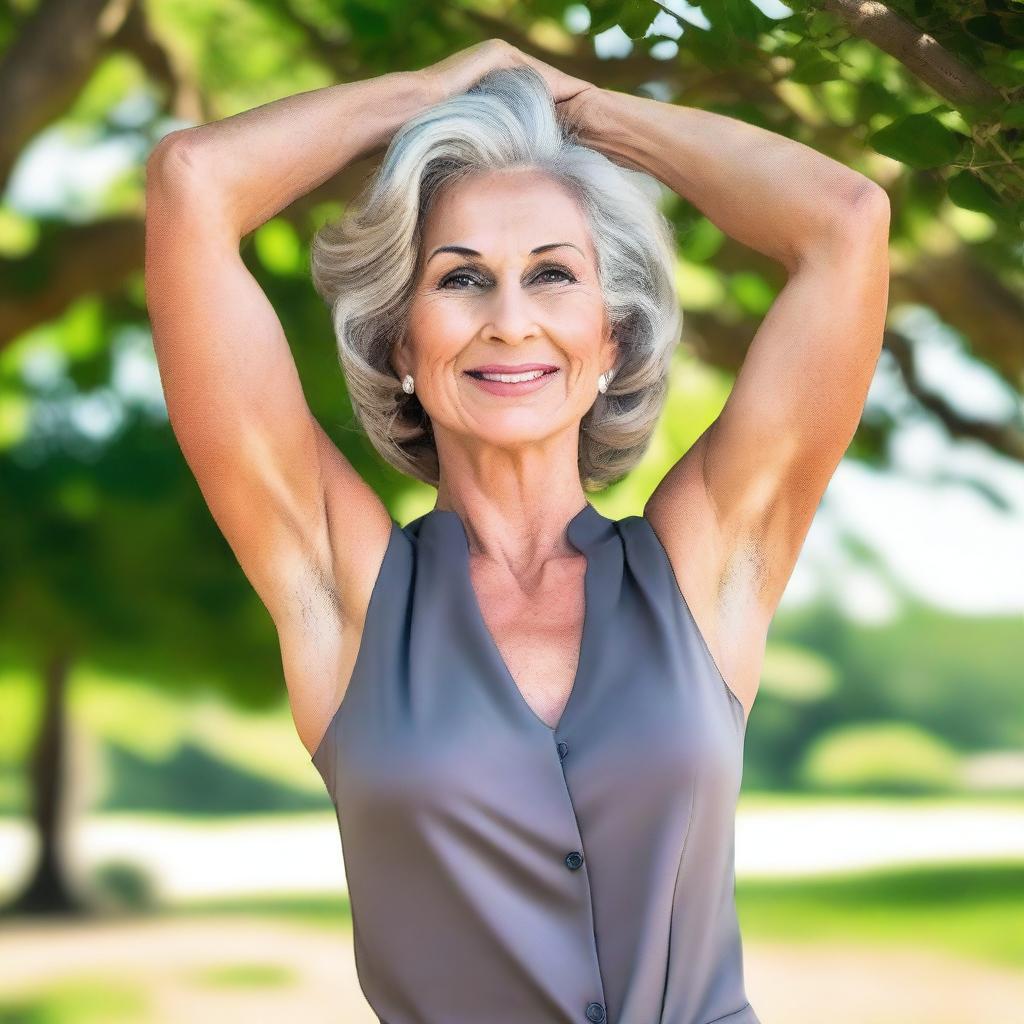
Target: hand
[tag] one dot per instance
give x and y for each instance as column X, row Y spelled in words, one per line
column 457, row 73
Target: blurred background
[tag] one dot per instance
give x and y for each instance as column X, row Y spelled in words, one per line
column 168, row 852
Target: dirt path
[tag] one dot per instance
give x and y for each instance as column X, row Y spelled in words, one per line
column 787, row 984
column 895, row 985
column 164, row 956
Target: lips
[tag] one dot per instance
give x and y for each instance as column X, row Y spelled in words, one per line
column 492, row 383
column 507, row 368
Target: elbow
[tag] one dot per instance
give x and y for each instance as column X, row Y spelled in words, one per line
column 863, row 209
column 859, row 218
column 178, row 184
column 178, row 145
column 868, row 204
column 172, row 161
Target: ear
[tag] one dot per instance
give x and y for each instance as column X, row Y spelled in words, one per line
column 398, row 359
column 610, row 351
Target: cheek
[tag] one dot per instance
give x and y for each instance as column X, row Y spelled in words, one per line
column 435, row 327
column 580, row 323
column 439, row 313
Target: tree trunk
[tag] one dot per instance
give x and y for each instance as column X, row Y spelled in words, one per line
column 49, row 891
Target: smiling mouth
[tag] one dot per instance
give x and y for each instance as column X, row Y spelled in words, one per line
column 511, row 378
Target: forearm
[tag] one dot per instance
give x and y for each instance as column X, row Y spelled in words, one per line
column 775, row 195
column 261, row 160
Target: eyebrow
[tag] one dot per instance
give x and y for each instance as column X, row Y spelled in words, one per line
column 461, row 250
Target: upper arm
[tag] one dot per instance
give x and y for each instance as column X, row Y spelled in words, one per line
column 799, row 395
column 759, row 471
column 264, row 465
column 732, row 513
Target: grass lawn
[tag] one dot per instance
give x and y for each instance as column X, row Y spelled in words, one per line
column 971, row 910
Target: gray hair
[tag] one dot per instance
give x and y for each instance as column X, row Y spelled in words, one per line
column 364, row 265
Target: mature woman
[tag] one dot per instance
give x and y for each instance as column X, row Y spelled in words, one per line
column 530, row 717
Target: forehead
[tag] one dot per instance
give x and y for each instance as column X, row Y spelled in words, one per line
column 499, row 212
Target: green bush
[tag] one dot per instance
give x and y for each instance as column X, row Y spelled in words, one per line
column 122, row 885
column 891, row 757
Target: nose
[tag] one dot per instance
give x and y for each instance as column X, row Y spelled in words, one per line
column 510, row 313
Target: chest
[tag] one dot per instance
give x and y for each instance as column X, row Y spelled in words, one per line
column 594, row 677
column 537, row 631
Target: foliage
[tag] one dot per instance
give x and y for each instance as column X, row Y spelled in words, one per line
column 885, row 757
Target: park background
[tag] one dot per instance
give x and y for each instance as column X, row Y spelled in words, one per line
column 168, row 852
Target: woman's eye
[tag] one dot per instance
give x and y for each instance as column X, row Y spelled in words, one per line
column 556, row 270
column 462, row 276
column 456, row 277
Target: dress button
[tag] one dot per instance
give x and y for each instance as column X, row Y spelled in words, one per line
column 573, row 861
column 563, row 749
column 595, row 1012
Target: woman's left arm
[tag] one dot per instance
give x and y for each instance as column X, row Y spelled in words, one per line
column 764, row 463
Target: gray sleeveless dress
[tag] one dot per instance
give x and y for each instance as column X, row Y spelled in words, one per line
column 503, row 872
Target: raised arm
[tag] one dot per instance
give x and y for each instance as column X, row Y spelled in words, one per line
column 308, row 532
column 236, row 405
column 737, row 506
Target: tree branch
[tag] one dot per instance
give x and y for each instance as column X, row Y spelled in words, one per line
column 46, row 66
column 919, row 52
column 1005, row 438
column 77, row 260
column 185, row 98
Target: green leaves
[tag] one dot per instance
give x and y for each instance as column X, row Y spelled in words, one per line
column 736, row 27
column 918, row 140
column 811, row 66
column 632, row 16
column 969, row 191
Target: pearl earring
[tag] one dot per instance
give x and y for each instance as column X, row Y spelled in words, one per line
column 604, row 380
column 407, row 384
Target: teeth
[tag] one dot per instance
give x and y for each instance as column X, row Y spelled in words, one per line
column 513, row 378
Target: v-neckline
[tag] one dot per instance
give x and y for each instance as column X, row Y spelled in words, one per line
column 581, row 530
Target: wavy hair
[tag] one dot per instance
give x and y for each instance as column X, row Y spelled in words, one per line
column 364, row 266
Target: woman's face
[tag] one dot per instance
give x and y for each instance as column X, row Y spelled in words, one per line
column 508, row 306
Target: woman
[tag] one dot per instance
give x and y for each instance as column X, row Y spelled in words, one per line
column 537, row 753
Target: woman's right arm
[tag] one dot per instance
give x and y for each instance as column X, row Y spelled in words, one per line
column 298, row 517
